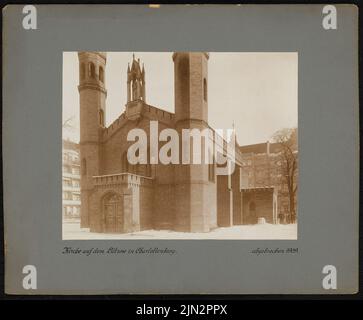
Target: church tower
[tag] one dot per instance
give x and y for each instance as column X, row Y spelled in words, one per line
column 92, row 99
column 195, row 183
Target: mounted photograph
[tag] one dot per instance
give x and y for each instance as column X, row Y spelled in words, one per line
column 180, row 145
column 181, row 150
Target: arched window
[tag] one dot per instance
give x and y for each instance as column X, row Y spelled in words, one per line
column 102, row 118
column 101, row 74
column 83, row 71
column 134, row 89
column 84, row 167
column 91, row 70
column 205, row 89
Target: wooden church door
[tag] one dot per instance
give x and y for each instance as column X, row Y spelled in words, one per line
column 113, row 211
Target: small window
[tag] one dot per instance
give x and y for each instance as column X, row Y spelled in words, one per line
column 84, row 167
column 102, row 118
column 205, row 89
column 91, row 70
column 83, row 71
column 67, row 169
column 76, row 183
column 101, row 74
column 67, row 183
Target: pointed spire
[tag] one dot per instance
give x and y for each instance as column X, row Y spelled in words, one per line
column 234, row 133
column 133, row 56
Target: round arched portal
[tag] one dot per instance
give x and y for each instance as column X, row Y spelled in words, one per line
column 113, row 213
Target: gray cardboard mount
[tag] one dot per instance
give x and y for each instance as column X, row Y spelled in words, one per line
column 328, row 150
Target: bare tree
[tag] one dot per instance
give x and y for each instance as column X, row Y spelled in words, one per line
column 287, row 141
column 68, row 123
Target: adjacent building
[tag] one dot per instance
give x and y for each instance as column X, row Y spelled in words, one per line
column 71, row 187
column 263, row 167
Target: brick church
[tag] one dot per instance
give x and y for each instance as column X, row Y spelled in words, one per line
column 119, row 197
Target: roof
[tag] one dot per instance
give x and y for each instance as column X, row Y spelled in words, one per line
column 70, row 145
column 254, row 148
column 260, row 148
column 148, row 111
column 254, row 189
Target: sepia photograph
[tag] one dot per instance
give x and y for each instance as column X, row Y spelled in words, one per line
column 154, row 150
column 180, row 145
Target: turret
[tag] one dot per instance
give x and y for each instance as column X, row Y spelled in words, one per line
column 136, row 92
column 135, row 81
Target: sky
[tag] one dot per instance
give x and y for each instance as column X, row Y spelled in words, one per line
column 257, row 92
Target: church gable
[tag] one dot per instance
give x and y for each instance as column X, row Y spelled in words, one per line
column 115, row 144
column 165, row 118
